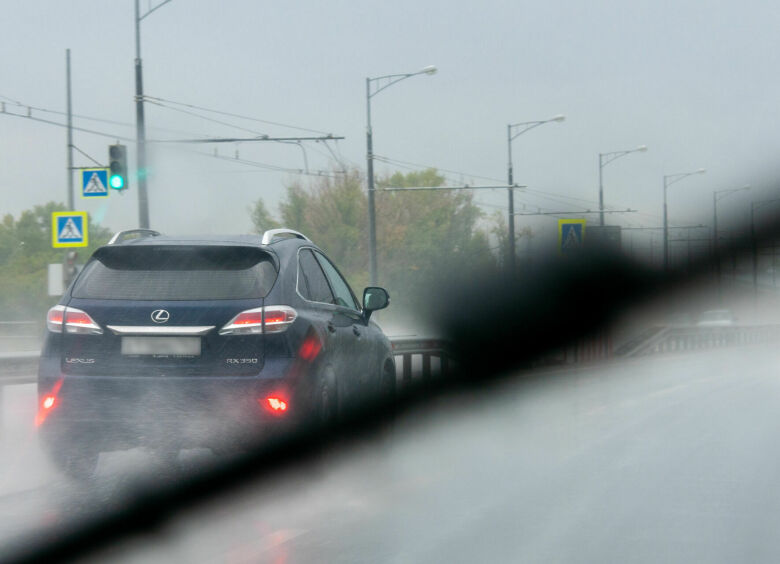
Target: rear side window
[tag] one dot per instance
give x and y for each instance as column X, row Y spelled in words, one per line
column 344, row 296
column 312, row 284
column 176, row 273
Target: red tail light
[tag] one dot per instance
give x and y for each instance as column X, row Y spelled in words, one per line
column 48, row 403
column 74, row 320
column 54, row 318
column 274, row 404
column 250, row 322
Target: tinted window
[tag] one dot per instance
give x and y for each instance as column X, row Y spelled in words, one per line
column 340, row 287
column 312, row 283
column 176, row 273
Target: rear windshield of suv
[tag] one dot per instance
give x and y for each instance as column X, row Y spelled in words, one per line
column 176, row 272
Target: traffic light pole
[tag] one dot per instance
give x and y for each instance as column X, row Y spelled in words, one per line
column 70, row 131
column 65, row 279
column 143, row 199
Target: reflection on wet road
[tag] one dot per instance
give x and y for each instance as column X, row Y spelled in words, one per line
column 669, row 459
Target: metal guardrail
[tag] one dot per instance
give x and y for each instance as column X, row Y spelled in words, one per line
column 20, row 367
column 19, row 335
column 427, row 348
column 683, row 338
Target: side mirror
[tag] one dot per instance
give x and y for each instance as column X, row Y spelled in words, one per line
column 374, row 298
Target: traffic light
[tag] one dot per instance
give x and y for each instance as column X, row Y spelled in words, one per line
column 117, row 163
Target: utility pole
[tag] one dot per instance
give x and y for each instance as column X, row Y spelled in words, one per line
column 372, row 260
column 380, row 83
column 604, row 160
column 754, row 240
column 514, row 130
column 688, row 252
column 601, row 190
column 70, row 130
column 140, row 128
column 670, row 179
column 718, row 195
column 140, row 125
column 509, row 182
column 715, row 256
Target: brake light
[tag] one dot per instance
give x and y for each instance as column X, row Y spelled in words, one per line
column 77, row 321
column 48, row 403
column 54, row 318
column 250, row 322
column 74, row 320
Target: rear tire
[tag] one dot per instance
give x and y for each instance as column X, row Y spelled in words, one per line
column 326, row 403
column 388, row 384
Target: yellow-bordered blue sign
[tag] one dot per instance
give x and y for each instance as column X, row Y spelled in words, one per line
column 69, row 229
column 571, row 235
column 94, row 183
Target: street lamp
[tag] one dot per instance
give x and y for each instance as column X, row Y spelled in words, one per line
column 140, row 125
column 604, row 160
column 379, row 83
column 753, row 242
column 670, row 179
column 514, row 130
column 716, row 197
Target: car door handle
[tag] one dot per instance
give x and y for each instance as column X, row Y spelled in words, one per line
column 331, row 328
column 356, row 331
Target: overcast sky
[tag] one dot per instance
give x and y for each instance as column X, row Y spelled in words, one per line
column 696, row 82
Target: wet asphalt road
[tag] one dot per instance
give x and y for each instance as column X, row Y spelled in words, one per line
column 664, row 460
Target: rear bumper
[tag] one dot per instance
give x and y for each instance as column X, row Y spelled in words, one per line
column 112, row 413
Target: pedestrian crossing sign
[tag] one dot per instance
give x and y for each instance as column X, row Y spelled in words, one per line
column 69, row 229
column 571, row 235
column 94, row 183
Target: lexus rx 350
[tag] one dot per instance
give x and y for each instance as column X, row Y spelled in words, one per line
column 171, row 342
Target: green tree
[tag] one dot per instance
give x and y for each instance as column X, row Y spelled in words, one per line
column 421, row 235
column 261, row 218
column 500, row 232
column 25, row 252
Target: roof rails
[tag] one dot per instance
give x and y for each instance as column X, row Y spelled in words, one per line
column 271, row 234
column 128, row 234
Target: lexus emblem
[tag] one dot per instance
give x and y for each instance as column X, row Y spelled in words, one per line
column 160, row 316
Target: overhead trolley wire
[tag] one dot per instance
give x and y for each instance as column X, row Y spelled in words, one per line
column 89, row 118
column 75, row 128
column 220, row 122
column 157, row 99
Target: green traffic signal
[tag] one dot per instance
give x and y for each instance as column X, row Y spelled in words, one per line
column 116, row 182
column 117, row 157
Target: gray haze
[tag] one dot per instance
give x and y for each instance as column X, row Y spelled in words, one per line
column 696, row 82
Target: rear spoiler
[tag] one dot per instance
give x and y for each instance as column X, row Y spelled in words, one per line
column 132, row 234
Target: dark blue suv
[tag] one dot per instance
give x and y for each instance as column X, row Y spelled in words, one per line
column 171, row 343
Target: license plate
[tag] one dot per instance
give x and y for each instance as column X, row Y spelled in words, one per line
column 161, row 346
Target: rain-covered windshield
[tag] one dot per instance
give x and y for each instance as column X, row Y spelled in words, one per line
column 390, row 281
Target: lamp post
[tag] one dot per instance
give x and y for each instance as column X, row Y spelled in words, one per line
column 754, row 243
column 670, row 179
column 604, row 160
column 140, row 124
column 514, row 130
column 718, row 195
column 379, row 83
